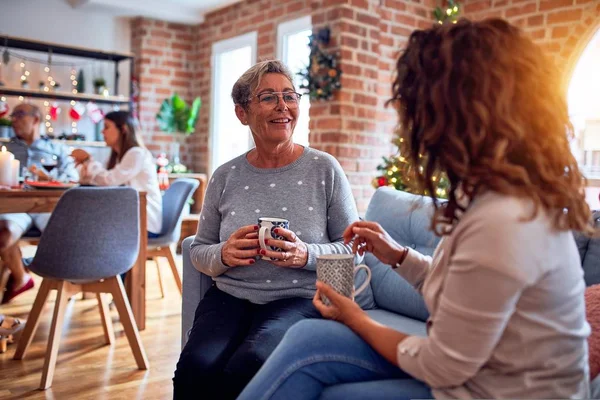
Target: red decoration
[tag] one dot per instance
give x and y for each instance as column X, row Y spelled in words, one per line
column 54, row 112
column 4, row 108
column 382, row 181
column 76, row 111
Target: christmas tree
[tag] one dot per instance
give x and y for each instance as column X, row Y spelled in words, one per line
column 398, row 173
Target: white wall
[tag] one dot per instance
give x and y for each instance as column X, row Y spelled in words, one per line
column 56, row 21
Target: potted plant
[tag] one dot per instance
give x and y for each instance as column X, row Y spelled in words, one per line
column 179, row 119
column 5, row 128
column 99, row 85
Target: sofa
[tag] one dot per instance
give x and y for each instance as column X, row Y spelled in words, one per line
column 389, row 299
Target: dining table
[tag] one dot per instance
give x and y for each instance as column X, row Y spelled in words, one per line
column 31, row 200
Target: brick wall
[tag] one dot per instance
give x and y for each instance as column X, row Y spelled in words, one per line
column 368, row 34
column 165, row 64
column 563, row 27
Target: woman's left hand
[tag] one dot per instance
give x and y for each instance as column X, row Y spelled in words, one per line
column 342, row 309
column 295, row 251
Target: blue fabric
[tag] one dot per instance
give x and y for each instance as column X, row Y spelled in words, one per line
column 406, row 217
column 107, row 250
column 317, row 356
column 152, row 235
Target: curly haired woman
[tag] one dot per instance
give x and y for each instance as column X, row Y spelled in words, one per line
column 480, row 102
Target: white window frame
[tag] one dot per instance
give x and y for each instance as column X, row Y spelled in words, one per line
column 248, row 39
column 290, row 28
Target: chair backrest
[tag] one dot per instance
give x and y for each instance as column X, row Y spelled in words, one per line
column 93, row 233
column 174, row 200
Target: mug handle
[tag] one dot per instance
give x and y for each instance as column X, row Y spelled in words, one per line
column 367, row 280
column 261, row 237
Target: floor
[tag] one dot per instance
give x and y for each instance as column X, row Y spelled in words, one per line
column 89, row 369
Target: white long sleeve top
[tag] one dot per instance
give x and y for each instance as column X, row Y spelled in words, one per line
column 506, row 303
column 136, row 169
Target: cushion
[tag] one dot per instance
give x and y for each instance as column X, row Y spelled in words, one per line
column 592, row 313
column 365, row 298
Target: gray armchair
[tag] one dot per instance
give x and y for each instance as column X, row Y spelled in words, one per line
column 92, row 237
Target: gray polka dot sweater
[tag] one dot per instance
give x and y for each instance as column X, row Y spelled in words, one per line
column 313, row 193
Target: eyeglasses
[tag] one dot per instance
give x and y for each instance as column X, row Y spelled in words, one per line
column 272, row 98
column 20, row 114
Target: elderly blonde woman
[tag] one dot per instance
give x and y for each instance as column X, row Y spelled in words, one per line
column 253, row 302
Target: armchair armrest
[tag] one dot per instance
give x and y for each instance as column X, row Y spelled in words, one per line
column 195, row 285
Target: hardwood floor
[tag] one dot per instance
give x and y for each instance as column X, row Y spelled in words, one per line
column 87, row 368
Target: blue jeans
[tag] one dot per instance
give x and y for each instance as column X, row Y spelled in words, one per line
column 230, row 340
column 320, row 359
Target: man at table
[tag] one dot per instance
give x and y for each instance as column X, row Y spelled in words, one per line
column 30, row 148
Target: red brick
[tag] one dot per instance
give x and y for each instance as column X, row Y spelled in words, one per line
column 405, row 19
column 552, row 4
column 161, row 33
column 536, row 20
column 159, row 72
column 521, row 10
column 559, row 32
column 367, row 19
column 477, row 6
column 564, row 16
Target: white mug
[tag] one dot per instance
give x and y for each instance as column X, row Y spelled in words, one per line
column 267, row 225
column 338, row 271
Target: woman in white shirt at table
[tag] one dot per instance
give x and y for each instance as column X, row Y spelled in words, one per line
column 130, row 164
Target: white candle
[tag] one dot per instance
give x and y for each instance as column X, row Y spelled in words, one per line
column 6, row 158
column 16, row 167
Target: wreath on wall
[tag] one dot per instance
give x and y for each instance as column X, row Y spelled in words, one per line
column 322, row 76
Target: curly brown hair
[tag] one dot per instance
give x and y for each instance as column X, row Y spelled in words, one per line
column 482, row 103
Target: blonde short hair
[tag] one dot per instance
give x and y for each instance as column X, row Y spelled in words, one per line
column 249, row 81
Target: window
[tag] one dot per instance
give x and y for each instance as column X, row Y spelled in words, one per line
column 293, row 50
column 230, row 59
column 583, row 98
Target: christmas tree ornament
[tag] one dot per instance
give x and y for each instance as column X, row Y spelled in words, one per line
column 54, row 111
column 76, row 112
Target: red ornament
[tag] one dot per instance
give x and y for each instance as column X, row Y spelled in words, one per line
column 54, row 112
column 76, row 111
column 4, row 108
column 382, row 181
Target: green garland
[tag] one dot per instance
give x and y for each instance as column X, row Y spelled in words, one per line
column 322, row 76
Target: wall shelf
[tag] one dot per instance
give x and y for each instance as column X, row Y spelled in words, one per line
column 78, row 143
column 35, row 45
column 64, row 96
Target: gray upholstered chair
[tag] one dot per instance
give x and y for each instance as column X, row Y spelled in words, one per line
column 174, row 199
column 92, row 237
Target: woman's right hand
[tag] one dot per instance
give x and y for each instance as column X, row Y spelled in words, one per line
column 370, row 236
column 80, row 156
column 241, row 247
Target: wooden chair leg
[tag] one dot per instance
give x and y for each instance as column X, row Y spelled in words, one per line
column 3, row 344
column 169, row 255
column 160, row 281
column 4, row 275
column 55, row 333
column 129, row 325
column 33, row 320
column 109, row 334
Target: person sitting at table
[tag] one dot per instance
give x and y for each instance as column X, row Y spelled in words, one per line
column 31, row 149
column 253, row 302
column 130, row 164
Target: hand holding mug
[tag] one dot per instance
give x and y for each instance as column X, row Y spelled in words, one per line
column 239, row 250
column 370, row 236
column 294, row 252
column 340, row 308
